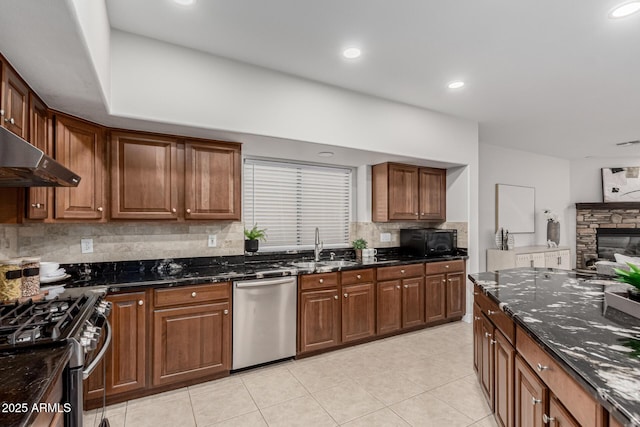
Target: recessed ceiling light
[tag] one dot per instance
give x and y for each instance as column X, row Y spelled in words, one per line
column 351, row 53
column 184, row 2
column 456, row 85
column 625, row 10
column 325, row 154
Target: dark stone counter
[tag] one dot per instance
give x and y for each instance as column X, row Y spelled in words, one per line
column 25, row 377
column 127, row 275
column 564, row 312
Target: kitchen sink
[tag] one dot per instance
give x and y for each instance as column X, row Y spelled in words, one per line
column 337, row 263
column 304, row 264
column 325, row 263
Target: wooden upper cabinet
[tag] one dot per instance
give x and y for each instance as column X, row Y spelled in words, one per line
column 80, row 146
column 39, row 198
column 15, row 101
column 433, row 194
column 144, row 176
column 212, row 181
column 408, row 193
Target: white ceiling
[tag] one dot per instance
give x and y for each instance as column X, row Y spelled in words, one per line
column 550, row 76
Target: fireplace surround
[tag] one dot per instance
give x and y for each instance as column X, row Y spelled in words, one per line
column 616, row 226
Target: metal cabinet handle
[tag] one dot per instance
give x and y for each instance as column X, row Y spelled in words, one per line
column 531, row 263
column 1, row 112
column 492, row 342
column 535, row 401
column 188, row 211
column 541, row 367
column 490, row 312
column 100, row 209
column 397, row 286
column 446, row 266
column 37, row 205
column 487, row 335
column 226, row 312
column 346, row 295
column 449, row 280
column 476, row 293
column 401, row 271
column 476, row 318
column 406, row 286
column 358, row 276
column 193, row 294
column 415, row 213
column 174, row 210
column 547, row 419
column 140, row 302
column 422, row 213
column 11, row 120
column 335, row 297
column 321, row 281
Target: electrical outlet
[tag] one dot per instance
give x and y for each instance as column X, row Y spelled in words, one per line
column 385, row 237
column 212, row 242
column 86, row 246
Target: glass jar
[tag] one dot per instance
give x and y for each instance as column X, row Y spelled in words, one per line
column 10, row 279
column 30, row 276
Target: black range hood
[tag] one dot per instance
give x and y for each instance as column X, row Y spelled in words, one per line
column 23, row 165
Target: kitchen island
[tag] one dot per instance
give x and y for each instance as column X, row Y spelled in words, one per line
column 559, row 315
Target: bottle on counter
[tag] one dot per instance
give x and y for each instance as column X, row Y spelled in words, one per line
column 30, row 276
column 10, row 279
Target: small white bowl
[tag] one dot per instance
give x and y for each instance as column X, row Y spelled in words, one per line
column 48, row 268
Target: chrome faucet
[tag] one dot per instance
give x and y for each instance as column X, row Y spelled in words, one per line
column 319, row 246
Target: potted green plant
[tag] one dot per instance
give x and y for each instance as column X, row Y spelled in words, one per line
column 358, row 246
column 631, row 277
column 252, row 238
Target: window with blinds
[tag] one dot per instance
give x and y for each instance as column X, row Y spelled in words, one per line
column 290, row 200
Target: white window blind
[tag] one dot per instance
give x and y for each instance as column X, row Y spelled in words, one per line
column 290, row 200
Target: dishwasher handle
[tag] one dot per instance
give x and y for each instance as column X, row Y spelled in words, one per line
column 267, row 282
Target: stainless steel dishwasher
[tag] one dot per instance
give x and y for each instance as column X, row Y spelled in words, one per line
column 264, row 320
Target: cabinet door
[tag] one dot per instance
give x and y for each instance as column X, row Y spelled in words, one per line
column 524, row 260
column 503, row 385
column 403, row 192
column 389, row 306
column 538, row 259
column 412, row 302
column 358, row 312
column 191, row 342
column 486, row 369
column 435, row 298
column 80, row 147
column 565, row 259
column 433, row 194
column 126, row 359
column 559, row 416
column 530, row 396
column 477, row 340
column 319, row 318
column 38, row 197
column 456, row 295
column 212, row 181
column 144, row 177
column 552, row 259
column 15, row 99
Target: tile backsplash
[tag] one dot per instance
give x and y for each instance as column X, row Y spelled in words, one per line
column 137, row 241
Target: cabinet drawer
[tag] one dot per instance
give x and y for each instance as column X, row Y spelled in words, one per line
column 316, row 281
column 445, row 266
column 357, row 276
column 400, row 271
column 191, row 294
column 497, row 316
column 577, row 401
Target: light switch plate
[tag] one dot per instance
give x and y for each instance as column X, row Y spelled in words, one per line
column 212, row 242
column 385, row 237
column 86, row 246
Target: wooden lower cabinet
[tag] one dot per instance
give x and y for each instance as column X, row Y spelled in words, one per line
column 486, row 363
column 435, row 298
column 126, row 359
column 358, row 312
column 413, row 302
column 531, row 396
column 445, row 296
column 504, row 361
column 559, row 416
column 389, row 306
column 319, row 320
column 456, row 295
column 191, row 342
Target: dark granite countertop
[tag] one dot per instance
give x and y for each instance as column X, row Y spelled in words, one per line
column 25, row 375
column 127, row 275
column 564, row 312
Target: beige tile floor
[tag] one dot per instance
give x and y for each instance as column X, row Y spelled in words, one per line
column 422, row 378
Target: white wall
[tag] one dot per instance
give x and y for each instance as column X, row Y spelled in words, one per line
column 550, row 176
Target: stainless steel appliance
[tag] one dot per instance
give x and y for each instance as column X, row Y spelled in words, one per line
column 78, row 321
column 23, row 165
column 264, row 320
column 425, row 242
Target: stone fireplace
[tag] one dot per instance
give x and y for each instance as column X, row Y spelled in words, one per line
column 603, row 229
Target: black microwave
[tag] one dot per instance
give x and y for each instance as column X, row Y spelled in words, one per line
column 427, row 242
